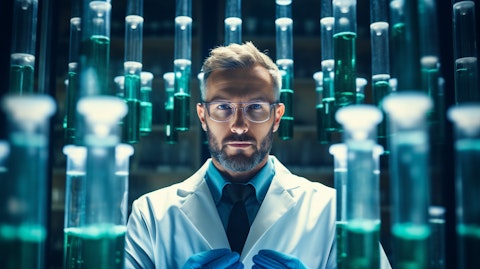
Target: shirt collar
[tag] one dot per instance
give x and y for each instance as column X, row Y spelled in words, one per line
column 261, row 181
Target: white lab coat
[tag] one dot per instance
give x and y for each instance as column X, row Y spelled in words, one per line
column 169, row 225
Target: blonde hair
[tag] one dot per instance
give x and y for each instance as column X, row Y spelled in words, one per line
column 236, row 56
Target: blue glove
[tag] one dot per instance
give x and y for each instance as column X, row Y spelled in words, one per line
column 270, row 259
column 215, row 258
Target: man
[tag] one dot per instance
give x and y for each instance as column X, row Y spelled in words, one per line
column 187, row 225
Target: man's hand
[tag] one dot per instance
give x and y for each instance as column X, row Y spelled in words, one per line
column 270, row 259
column 213, row 259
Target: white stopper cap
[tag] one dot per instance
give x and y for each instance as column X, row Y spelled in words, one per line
column 407, row 108
column 465, row 116
column 34, row 108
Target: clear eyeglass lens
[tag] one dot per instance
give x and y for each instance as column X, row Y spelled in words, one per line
column 255, row 112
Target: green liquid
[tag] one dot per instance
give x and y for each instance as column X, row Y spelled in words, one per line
column 145, row 118
column 468, row 246
column 22, row 247
column 345, row 68
column 405, row 60
column 285, row 130
column 466, row 80
column 181, row 115
column 411, row 246
column 171, row 136
column 362, row 245
column 381, row 88
column 21, row 79
column 341, row 234
column 131, row 122
column 71, row 115
column 94, row 248
column 97, row 52
column 329, row 112
column 322, row 135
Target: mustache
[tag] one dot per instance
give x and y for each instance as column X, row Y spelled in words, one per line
column 238, row 137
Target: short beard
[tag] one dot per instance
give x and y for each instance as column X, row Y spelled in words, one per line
column 239, row 162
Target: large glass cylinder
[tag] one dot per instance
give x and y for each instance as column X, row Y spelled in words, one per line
column 171, row 135
column 466, row 120
column 233, row 21
column 102, row 234
column 344, row 39
column 146, row 105
column 22, row 58
column 284, row 44
column 182, row 64
column 409, row 176
column 362, row 197
column 23, row 194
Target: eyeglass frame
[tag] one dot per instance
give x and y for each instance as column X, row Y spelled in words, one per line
column 235, row 106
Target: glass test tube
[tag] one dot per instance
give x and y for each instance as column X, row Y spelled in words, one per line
column 284, row 43
column 4, row 152
column 344, row 38
column 380, row 56
column 146, row 112
column 102, row 234
column 339, row 153
column 437, row 238
column 409, row 176
column 74, row 204
column 466, row 121
column 132, row 68
column 95, row 48
column 404, row 44
column 23, row 223
column 328, row 64
column 22, row 57
column 465, row 52
column 171, row 135
column 362, row 196
column 360, row 84
column 182, row 64
column 72, row 78
column 233, row 21
column 322, row 134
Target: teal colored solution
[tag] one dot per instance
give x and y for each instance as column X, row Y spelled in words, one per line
column 466, row 80
column 411, row 246
column 430, row 84
column 322, row 134
column 171, row 136
column 21, row 75
column 285, row 130
column 468, row 228
column 181, row 115
column 95, row 247
column 22, row 247
column 380, row 89
column 131, row 122
column 97, row 51
column 341, row 234
column 468, row 246
column 71, row 111
column 345, row 68
column 362, row 245
column 181, row 97
column 145, row 111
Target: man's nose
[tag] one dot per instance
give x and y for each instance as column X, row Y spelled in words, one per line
column 239, row 123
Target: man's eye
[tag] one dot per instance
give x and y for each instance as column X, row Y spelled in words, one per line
column 254, row 107
column 224, row 107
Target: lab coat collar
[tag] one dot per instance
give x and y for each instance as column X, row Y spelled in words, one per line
column 197, row 207
column 279, row 197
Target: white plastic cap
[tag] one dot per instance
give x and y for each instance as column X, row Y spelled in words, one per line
column 407, row 108
column 123, row 151
column 359, row 117
column 169, row 78
column 465, row 116
column 102, row 109
column 34, row 108
column 338, row 150
column 77, row 154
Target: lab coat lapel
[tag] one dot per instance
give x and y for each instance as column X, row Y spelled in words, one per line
column 277, row 202
column 200, row 209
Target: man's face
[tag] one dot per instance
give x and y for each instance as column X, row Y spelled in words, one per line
column 238, row 144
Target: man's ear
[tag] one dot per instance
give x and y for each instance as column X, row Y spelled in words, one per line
column 279, row 111
column 201, row 115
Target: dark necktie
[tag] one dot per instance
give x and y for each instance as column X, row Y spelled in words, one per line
column 238, row 224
